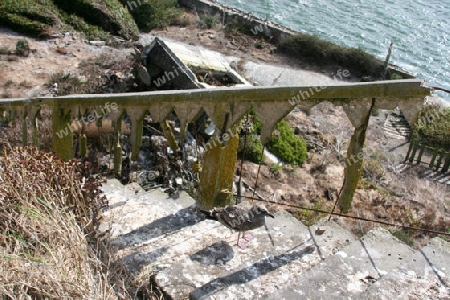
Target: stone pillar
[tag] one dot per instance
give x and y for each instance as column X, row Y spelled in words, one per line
column 433, row 159
column 422, row 149
column 414, row 151
column 83, row 146
column 118, row 148
column 359, row 114
column 35, row 126
column 441, row 155
column 446, row 164
column 216, row 177
column 62, row 133
column 25, row 127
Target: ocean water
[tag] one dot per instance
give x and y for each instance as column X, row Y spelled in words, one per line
column 420, row 29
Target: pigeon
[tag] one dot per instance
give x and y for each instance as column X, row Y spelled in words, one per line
column 240, row 218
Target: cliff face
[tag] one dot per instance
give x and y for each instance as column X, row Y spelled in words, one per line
column 37, row 17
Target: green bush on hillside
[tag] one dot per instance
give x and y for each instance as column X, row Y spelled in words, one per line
column 286, row 145
column 253, row 149
column 317, row 51
column 153, row 13
column 110, row 15
column 433, row 127
column 37, row 17
column 31, row 17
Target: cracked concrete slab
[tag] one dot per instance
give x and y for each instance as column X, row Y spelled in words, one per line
column 350, row 271
column 424, row 275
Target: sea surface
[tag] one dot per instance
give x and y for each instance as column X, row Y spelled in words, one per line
column 420, row 29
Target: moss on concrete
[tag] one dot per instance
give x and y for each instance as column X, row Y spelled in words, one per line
column 216, row 178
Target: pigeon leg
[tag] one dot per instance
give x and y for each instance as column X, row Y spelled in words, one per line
column 241, row 244
column 247, row 237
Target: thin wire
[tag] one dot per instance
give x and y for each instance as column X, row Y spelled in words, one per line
column 257, row 174
column 353, row 217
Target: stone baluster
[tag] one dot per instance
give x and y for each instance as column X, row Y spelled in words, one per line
column 414, row 151
column 62, row 132
column 117, row 123
column 24, row 115
column 34, row 113
column 447, row 163
column 441, row 155
column 419, row 158
column 433, row 158
column 137, row 130
column 359, row 113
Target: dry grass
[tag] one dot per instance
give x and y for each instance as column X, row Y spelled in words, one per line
column 47, row 225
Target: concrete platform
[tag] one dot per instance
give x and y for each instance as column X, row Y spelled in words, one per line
column 424, row 275
column 351, row 270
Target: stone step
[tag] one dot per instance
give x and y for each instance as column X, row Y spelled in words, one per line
column 132, row 210
column 327, row 238
column 219, row 263
column 351, row 270
column 397, row 129
column 395, row 136
column 424, row 275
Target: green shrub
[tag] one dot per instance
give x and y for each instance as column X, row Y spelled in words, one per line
column 22, row 47
column 110, row 15
column 403, row 236
column 275, row 169
column 253, row 149
column 286, row 145
column 232, row 26
column 433, row 127
column 375, row 112
column 208, row 21
column 314, row 50
column 154, row 13
column 309, row 217
column 31, row 17
column 37, row 17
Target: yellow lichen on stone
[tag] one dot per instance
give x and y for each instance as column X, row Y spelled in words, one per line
column 168, row 133
column 62, row 133
column 216, row 178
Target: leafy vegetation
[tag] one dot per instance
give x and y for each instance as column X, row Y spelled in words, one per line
column 309, row 217
column 433, row 127
column 315, row 50
column 22, row 47
column 208, row 21
column 32, row 17
column 97, row 19
column 403, row 236
column 275, row 169
column 153, row 14
column 253, row 148
column 286, row 145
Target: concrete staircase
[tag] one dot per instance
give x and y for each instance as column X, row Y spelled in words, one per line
column 396, row 127
column 197, row 259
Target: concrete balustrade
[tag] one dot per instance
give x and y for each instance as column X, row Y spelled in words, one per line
column 226, row 107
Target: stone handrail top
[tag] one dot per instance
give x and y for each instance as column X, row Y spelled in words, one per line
column 392, row 88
